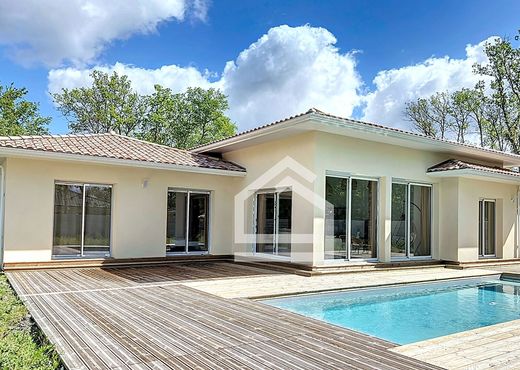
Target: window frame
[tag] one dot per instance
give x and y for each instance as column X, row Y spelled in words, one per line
column 482, row 231
column 409, row 184
column 187, row 221
column 348, row 237
column 81, row 255
column 276, row 192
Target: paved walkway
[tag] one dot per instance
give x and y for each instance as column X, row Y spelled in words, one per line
column 151, row 318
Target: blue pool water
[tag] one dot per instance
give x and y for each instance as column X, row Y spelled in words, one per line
column 411, row 313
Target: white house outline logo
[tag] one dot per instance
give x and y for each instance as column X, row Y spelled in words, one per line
column 287, row 182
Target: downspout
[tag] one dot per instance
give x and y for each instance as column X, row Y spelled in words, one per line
column 2, row 201
column 517, row 246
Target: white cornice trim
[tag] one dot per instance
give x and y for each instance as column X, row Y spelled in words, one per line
column 38, row 154
column 468, row 172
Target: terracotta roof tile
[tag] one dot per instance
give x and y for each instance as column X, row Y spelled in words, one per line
column 455, row 164
column 117, row 147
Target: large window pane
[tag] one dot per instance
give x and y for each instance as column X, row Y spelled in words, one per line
column 284, row 223
column 68, row 213
column 265, row 216
column 363, row 229
column 420, row 220
column 399, row 222
column 336, row 217
column 176, row 222
column 487, row 237
column 198, row 222
column 97, row 220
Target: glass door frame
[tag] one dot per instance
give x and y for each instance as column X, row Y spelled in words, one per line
column 276, row 192
column 348, row 229
column 407, row 215
column 84, row 185
column 188, row 192
column 482, row 229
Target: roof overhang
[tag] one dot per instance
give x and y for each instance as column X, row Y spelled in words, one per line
column 477, row 175
column 360, row 130
column 86, row 159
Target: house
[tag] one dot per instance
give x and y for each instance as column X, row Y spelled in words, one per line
column 313, row 189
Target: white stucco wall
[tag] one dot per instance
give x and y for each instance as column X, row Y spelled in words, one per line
column 138, row 215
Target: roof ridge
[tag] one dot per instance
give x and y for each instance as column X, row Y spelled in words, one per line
column 314, row 111
column 23, row 137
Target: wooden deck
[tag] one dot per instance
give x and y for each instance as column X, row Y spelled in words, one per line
column 145, row 318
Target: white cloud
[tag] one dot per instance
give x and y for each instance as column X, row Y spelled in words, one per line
column 287, row 71
column 77, row 31
column 393, row 88
column 143, row 80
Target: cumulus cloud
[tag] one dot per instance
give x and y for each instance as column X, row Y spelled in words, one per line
column 143, row 80
column 394, row 87
column 287, row 71
column 77, row 31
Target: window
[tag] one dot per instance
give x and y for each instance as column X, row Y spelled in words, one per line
column 411, row 220
column 487, row 229
column 82, row 220
column 187, row 222
column 350, row 218
column 274, row 223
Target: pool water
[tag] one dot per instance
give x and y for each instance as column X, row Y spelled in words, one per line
column 414, row 312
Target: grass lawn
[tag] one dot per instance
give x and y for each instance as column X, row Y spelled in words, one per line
column 22, row 346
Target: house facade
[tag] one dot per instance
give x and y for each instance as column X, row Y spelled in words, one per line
column 313, row 189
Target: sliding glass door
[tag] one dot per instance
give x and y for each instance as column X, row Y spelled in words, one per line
column 411, row 220
column 273, row 223
column 82, row 220
column 350, row 218
column 187, row 222
column 487, row 229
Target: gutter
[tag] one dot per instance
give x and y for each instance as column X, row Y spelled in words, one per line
column 31, row 153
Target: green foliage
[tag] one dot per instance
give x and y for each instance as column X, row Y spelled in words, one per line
column 109, row 104
column 19, row 116
column 491, row 109
column 20, row 346
column 183, row 120
column 187, row 119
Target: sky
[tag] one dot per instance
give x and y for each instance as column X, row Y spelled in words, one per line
column 273, row 59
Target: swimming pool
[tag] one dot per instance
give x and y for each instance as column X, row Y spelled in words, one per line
column 413, row 312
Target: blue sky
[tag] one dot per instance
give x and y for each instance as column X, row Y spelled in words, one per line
column 327, row 57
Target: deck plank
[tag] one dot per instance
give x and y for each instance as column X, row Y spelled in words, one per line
column 144, row 318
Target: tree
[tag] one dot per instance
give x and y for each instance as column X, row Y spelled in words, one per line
column 19, row 116
column 109, row 104
column 491, row 109
column 430, row 116
column 183, row 120
column 187, row 119
column 503, row 68
column 459, row 111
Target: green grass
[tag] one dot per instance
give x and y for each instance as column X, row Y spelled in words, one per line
column 22, row 345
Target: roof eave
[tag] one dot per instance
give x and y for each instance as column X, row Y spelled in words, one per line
column 468, row 172
column 39, row 154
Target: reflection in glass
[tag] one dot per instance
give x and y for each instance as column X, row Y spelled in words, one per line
column 363, row 224
column 420, row 220
column 198, row 223
column 399, row 222
column 335, row 217
column 68, row 214
column 97, row 220
column 176, row 222
column 284, row 223
column 265, row 216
